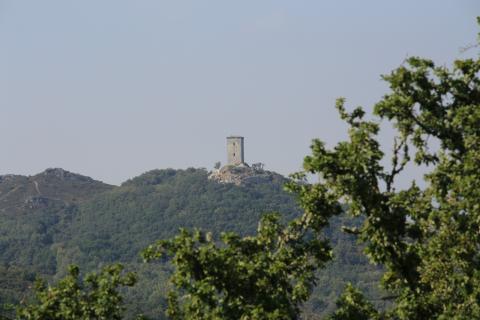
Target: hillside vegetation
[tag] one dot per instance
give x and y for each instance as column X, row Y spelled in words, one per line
column 56, row 218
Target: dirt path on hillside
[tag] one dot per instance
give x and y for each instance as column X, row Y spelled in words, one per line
column 37, row 188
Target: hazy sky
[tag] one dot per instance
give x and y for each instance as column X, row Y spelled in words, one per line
column 111, row 89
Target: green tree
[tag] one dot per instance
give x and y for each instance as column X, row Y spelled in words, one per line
column 266, row 276
column 427, row 239
column 353, row 306
column 94, row 297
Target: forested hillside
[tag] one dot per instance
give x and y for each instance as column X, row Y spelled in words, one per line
column 56, row 218
column 35, row 214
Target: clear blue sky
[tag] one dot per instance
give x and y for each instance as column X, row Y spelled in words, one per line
column 111, row 89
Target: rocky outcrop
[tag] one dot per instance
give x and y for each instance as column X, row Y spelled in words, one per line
column 37, row 202
column 65, row 175
column 243, row 175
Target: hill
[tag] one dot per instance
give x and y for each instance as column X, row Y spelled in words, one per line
column 56, row 218
column 35, row 212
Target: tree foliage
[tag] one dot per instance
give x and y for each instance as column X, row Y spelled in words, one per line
column 352, row 305
column 266, row 276
column 94, row 297
column 427, row 238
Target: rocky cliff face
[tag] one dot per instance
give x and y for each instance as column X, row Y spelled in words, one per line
column 244, row 175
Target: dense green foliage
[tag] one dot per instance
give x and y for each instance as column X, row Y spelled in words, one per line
column 352, row 305
column 96, row 297
column 112, row 224
column 118, row 225
column 266, row 276
column 35, row 213
column 426, row 238
column 15, row 282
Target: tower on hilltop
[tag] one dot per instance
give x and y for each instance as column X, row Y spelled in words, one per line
column 235, row 151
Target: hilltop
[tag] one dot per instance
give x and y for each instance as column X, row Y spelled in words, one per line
column 19, row 194
column 244, row 175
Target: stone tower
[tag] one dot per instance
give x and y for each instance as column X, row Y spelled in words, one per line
column 235, row 151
